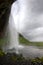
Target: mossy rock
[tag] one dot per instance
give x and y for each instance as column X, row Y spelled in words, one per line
column 15, row 59
column 1, row 53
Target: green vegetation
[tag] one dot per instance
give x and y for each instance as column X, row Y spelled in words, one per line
column 3, row 41
column 1, row 53
column 22, row 40
column 16, row 59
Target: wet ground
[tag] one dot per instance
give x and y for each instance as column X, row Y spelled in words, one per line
column 31, row 51
column 28, row 51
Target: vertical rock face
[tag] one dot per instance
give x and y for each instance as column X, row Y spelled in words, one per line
column 5, row 6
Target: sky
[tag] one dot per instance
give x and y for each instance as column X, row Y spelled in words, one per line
column 28, row 18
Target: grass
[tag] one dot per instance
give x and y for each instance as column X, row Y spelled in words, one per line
column 22, row 40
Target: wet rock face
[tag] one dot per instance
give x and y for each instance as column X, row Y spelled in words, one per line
column 5, row 7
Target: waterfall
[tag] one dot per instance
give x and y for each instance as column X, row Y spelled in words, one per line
column 29, row 14
column 26, row 19
column 11, row 35
column 11, row 38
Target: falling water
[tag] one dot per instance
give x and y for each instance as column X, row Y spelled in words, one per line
column 13, row 34
column 22, row 16
column 29, row 14
column 11, row 37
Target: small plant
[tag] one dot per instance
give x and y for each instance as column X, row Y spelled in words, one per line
column 1, row 53
column 14, row 59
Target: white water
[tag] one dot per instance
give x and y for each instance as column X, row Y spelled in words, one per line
column 11, row 36
column 12, row 29
column 29, row 24
column 29, row 15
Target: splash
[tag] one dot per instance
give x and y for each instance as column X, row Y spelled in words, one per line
column 11, row 37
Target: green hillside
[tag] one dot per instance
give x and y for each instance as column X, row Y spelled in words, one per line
column 22, row 40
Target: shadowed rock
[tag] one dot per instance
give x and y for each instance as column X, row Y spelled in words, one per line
column 5, row 7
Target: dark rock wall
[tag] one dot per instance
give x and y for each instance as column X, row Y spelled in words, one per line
column 5, row 7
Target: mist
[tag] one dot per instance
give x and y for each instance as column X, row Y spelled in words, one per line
column 28, row 18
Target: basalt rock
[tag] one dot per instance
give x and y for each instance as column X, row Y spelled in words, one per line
column 5, row 7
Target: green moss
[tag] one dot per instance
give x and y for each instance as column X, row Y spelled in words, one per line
column 1, row 53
